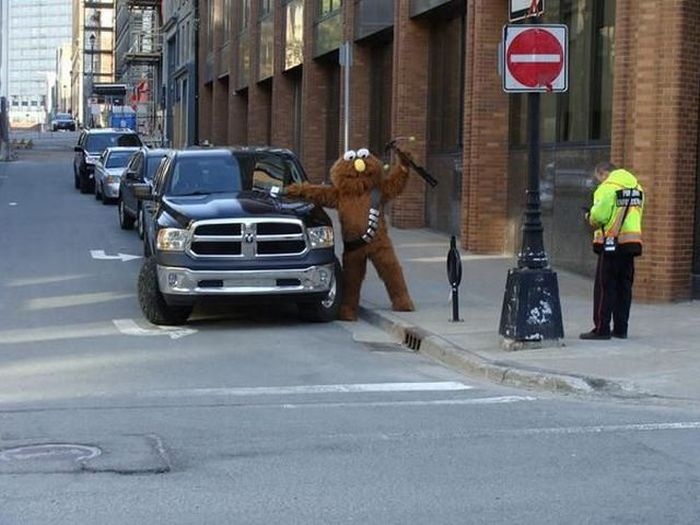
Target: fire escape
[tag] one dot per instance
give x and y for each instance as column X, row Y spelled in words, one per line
column 139, row 44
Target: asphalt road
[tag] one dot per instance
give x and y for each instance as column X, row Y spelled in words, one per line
column 255, row 417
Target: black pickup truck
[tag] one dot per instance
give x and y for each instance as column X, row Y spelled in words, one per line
column 218, row 225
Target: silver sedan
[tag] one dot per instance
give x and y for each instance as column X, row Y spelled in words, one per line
column 108, row 171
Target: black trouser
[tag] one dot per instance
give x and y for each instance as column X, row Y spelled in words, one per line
column 612, row 294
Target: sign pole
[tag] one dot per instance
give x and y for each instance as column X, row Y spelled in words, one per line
column 531, row 313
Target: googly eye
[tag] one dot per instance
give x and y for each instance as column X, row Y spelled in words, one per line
column 350, row 155
column 363, row 153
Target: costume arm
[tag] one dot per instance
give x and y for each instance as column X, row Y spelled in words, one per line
column 321, row 195
column 395, row 182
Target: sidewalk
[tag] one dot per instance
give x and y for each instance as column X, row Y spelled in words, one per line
column 661, row 357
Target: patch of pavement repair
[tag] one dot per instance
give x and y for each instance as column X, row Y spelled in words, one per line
column 126, row 455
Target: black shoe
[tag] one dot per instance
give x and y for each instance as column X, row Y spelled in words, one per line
column 619, row 335
column 593, row 335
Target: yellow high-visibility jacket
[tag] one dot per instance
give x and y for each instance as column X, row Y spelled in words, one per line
column 606, row 215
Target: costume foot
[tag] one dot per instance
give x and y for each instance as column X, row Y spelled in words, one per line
column 347, row 314
column 403, row 306
column 620, row 335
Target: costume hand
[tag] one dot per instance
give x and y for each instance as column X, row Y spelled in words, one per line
column 293, row 190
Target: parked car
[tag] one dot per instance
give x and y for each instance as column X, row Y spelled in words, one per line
column 108, row 172
column 91, row 143
column 140, row 170
column 221, row 227
column 62, row 121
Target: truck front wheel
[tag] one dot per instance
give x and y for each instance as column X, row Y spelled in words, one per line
column 151, row 300
column 326, row 309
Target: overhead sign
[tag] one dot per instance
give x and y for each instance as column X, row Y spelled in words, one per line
column 522, row 9
column 535, row 58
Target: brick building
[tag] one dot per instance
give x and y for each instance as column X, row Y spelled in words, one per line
column 269, row 73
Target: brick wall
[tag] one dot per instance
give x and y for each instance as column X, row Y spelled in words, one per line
column 282, row 103
column 409, row 110
column 313, row 107
column 655, row 131
column 258, row 95
column 485, row 153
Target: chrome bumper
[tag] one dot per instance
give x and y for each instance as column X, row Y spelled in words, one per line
column 182, row 281
column 111, row 190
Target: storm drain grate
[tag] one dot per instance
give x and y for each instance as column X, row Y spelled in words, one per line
column 412, row 340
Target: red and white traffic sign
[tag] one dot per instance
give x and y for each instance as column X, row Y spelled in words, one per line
column 536, row 58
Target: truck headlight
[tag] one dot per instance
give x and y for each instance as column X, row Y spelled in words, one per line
column 172, row 239
column 91, row 160
column 321, row 237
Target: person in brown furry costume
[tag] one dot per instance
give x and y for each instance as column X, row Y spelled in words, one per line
column 358, row 191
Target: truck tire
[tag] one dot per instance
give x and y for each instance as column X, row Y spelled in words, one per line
column 76, row 180
column 85, row 186
column 325, row 310
column 152, row 303
column 126, row 222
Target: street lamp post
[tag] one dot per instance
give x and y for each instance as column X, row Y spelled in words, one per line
column 92, row 75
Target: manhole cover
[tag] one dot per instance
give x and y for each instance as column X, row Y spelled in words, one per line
column 122, row 454
column 50, row 452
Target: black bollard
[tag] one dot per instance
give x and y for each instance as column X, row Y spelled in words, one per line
column 454, row 275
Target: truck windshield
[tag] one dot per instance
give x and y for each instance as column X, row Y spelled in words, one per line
column 204, row 175
column 118, row 159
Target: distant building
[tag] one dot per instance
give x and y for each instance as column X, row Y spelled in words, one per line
column 138, row 43
column 179, row 76
column 35, row 30
column 4, row 30
column 61, row 92
column 92, row 56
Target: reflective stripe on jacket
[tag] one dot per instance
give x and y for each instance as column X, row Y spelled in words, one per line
column 606, row 214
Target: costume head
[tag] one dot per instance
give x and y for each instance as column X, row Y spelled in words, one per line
column 356, row 172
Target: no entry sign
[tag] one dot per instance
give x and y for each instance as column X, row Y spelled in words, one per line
column 535, row 58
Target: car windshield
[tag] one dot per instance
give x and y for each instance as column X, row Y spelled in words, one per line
column 118, row 159
column 101, row 141
column 63, row 116
column 205, row 174
column 152, row 165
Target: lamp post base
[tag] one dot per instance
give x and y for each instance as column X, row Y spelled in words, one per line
column 531, row 314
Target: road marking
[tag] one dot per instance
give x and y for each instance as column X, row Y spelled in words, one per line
column 442, row 386
column 433, row 402
column 602, row 429
column 12, row 204
column 129, row 327
column 101, row 255
column 67, row 301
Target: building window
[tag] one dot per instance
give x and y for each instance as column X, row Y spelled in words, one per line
column 326, row 7
column 210, row 25
column 446, row 78
column 244, row 19
column 265, row 7
column 227, row 15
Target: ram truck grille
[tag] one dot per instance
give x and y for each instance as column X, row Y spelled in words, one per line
column 247, row 238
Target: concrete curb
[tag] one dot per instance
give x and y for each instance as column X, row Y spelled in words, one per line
column 501, row 372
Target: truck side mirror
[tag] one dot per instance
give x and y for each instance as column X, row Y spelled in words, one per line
column 77, row 149
column 143, row 192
